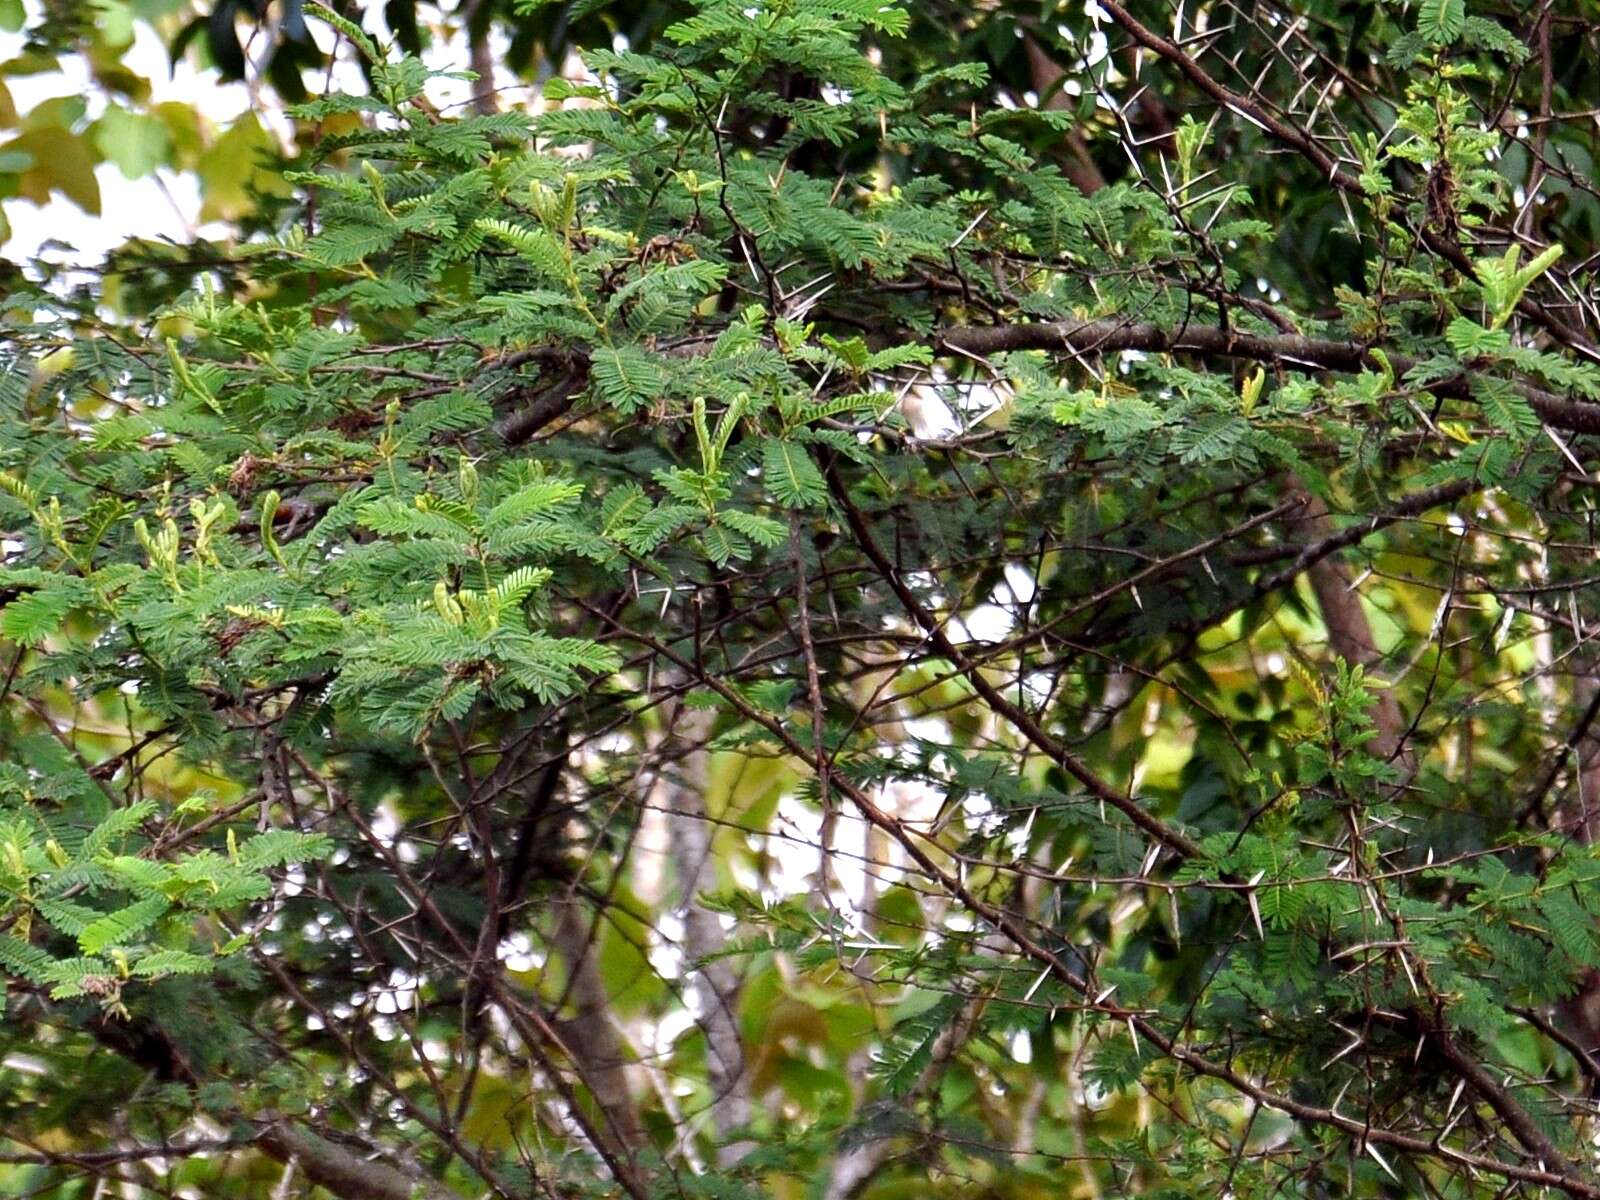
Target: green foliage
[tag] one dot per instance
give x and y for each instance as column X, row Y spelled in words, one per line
column 784, row 612
column 1441, row 21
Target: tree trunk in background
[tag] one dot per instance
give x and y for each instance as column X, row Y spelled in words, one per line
column 679, row 789
column 601, row 1057
column 854, row 1166
column 1076, row 161
column 480, row 58
column 1349, row 630
column 1579, row 819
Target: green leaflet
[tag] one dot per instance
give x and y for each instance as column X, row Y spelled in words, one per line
column 791, row 475
column 1441, row 21
column 118, row 928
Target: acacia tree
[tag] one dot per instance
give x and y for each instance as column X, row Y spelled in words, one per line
column 811, row 622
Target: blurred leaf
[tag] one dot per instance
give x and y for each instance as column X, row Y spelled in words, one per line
column 61, row 163
column 136, row 143
column 237, row 168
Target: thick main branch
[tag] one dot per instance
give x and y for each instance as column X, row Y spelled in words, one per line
column 1294, row 351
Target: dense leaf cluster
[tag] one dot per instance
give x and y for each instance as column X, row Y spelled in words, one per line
column 758, row 632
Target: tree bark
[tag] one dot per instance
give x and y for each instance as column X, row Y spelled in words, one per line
column 1076, row 162
column 342, row 1171
column 590, row 1036
column 1349, row 630
column 680, row 790
column 1293, row 351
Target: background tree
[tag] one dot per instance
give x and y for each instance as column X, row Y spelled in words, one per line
column 854, row 600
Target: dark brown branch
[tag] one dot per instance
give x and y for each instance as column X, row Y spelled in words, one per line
column 1293, row 351
column 1533, row 1139
column 545, row 408
column 1047, row 75
column 1585, row 1060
